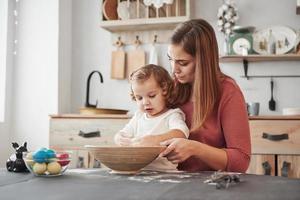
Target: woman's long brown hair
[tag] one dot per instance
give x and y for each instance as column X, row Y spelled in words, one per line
column 198, row 39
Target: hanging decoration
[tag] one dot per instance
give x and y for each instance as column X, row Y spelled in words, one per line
column 16, row 22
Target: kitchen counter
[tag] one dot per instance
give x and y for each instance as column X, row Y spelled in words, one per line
column 98, row 116
column 100, row 184
column 275, row 117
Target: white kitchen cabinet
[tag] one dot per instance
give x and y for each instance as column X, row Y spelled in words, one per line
column 275, row 146
column 65, row 129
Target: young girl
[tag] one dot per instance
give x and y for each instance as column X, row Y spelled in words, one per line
column 152, row 89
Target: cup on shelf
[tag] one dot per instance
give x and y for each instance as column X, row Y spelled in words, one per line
column 253, row 108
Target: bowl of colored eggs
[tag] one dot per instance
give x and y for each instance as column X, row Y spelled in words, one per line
column 47, row 162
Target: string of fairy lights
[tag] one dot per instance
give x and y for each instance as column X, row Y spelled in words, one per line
column 16, row 23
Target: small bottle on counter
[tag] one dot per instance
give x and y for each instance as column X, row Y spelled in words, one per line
column 271, row 47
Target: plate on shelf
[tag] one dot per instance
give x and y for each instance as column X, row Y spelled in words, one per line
column 285, row 39
column 128, row 10
column 109, row 9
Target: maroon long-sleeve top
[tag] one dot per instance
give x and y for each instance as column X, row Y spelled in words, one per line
column 227, row 127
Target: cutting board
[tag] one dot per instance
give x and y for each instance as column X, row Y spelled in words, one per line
column 118, row 64
column 135, row 59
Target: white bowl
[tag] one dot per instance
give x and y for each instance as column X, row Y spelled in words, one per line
column 291, row 111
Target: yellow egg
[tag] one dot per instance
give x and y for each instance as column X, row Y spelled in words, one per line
column 54, row 168
column 39, row 168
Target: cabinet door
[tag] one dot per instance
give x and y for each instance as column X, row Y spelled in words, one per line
column 275, row 136
column 288, row 166
column 262, row 165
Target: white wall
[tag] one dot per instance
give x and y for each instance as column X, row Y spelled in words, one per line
column 35, row 77
column 5, row 5
column 92, row 51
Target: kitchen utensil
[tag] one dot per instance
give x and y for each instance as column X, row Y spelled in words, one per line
column 135, row 59
column 109, row 9
column 129, row 10
column 41, row 164
column 125, row 160
column 272, row 103
column 118, row 64
column 285, row 39
column 291, row 111
column 253, row 108
column 99, row 111
column 153, row 57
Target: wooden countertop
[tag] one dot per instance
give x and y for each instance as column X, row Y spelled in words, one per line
column 275, row 117
column 81, row 116
column 118, row 116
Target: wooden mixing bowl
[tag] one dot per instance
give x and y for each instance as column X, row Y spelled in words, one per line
column 125, row 160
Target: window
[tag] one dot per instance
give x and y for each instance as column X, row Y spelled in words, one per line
column 3, row 47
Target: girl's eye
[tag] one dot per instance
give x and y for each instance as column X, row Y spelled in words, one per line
column 138, row 98
column 152, row 96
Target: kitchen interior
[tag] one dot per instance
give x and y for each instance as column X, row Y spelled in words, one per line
column 55, row 96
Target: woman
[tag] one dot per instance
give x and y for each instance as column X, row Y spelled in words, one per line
column 213, row 103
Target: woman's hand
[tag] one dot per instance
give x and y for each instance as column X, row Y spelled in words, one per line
column 178, row 149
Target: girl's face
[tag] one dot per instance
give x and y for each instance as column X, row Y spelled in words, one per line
column 149, row 97
column 183, row 64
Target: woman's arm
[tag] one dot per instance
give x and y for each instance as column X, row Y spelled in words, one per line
column 180, row 149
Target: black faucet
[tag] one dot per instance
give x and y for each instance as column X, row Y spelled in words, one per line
column 87, row 103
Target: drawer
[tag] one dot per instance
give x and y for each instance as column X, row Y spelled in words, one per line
column 263, row 145
column 64, row 132
column 288, row 166
column 262, row 165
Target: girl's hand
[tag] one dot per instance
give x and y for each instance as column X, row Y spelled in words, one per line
column 148, row 140
column 178, row 149
column 123, row 139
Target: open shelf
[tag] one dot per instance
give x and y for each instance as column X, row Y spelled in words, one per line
column 143, row 24
column 260, row 58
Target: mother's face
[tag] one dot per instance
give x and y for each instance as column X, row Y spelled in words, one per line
column 183, row 64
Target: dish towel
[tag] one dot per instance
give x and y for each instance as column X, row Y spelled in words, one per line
column 153, row 57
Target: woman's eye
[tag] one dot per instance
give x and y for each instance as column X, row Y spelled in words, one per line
column 152, row 96
column 183, row 63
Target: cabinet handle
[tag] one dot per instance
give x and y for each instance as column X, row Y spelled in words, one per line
column 80, row 162
column 96, row 164
column 273, row 137
column 89, row 134
column 267, row 167
column 285, row 169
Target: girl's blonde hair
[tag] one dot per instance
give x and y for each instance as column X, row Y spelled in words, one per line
column 198, row 39
column 161, row 76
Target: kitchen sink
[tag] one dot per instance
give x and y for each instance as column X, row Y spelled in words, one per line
column 95, row 111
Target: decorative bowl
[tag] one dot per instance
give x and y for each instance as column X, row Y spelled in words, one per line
column 46, row 162
column 125, row 160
